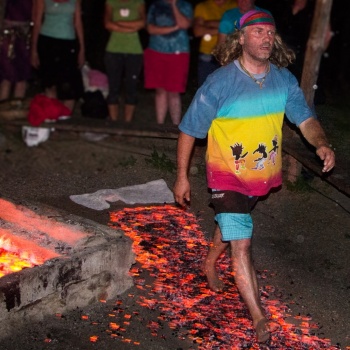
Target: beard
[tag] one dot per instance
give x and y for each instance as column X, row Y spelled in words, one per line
column 261, row 53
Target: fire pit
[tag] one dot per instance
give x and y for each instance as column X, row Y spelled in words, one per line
column 69, row 262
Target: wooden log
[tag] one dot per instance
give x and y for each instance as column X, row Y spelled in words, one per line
column 14, row 109
column 105, row 127
column 339, row 177
column 314, row 51
column 315, row 48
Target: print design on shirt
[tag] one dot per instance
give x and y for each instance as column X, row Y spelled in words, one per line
column 261, row 160
column 125, row 12
column 237, row 150
column 273, row 152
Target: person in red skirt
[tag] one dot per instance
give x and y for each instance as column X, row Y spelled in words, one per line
column 167, row 58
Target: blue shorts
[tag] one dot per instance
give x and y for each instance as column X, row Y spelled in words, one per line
column 232, row 213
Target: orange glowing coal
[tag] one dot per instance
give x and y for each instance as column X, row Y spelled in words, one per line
column 169, row 244
column 18, row 253
column 24, row 235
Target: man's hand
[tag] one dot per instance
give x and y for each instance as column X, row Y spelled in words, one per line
column 327, row 155
column 315, row 135
column 182, row 191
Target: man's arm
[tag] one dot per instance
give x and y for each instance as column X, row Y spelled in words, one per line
column 315, row 135
column 182, row 192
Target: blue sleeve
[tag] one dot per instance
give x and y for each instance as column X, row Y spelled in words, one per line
column 202, row 110
column 150, row 15
column 226, row 25
column 186, row 10
column 297, row 109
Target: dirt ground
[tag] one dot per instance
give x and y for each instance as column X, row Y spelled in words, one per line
column 302, row 238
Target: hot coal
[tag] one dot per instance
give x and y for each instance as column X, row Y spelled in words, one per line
column 169, row 244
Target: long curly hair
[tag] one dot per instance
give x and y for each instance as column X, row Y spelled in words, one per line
column 231, row 50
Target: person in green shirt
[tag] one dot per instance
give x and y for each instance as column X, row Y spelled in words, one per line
column 124, row 53
column 58, row 50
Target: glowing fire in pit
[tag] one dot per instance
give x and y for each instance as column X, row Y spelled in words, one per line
column 11, row 262
column 169, row 244
column 28, row 239
column 17, row 254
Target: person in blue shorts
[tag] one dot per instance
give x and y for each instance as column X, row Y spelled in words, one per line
column 240, row 109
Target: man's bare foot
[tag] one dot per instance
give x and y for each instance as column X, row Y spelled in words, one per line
column 262, row 330
column 215, row 283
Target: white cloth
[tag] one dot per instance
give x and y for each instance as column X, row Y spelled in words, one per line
column 151, row 192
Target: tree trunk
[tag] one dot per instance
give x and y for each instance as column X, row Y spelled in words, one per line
column 315, row 48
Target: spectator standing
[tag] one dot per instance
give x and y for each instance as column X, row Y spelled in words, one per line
column 230, row 19
column 15, row 37
column 240, row 108
column 167, row 57
column 58, row 49
column 124, row 53
column 207, row 16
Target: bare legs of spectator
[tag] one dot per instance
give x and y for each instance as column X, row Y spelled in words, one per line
column 174, row 100
column 161, row 105
column 113, row 111
column 19, row 91
column 52, row 93
column 129, row 112
column 168, row 100
column 5, row 89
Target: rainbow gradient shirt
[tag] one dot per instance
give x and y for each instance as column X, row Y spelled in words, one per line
column 244, row 126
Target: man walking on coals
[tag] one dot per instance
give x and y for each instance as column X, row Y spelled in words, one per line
column 240, row 107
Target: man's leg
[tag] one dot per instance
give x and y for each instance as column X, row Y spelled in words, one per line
column 247, row 284
column 217, row 247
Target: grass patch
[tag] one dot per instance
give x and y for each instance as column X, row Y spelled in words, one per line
column 301, row 185
column 161, row 161
column 127, row 161
column 335, row 120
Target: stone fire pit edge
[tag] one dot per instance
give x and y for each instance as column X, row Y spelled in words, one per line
column 97, row 269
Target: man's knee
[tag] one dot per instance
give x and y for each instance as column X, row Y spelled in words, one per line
column 241, row 247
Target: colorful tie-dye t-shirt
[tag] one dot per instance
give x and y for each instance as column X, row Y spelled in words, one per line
column 243, row 123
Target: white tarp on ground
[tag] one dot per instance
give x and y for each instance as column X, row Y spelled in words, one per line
column 149, row 193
